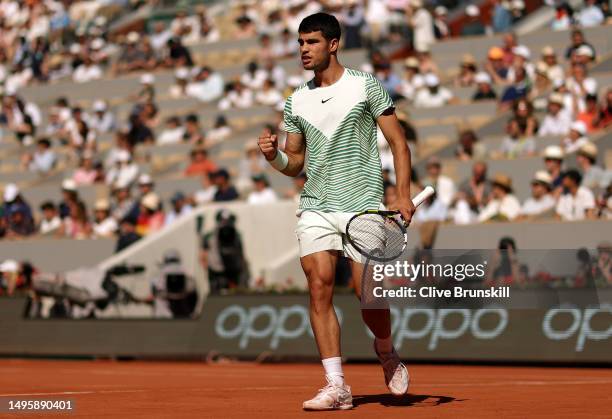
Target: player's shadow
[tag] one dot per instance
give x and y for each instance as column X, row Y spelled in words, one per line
column 388, row 400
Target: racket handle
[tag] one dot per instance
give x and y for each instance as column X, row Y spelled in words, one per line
column 423, row 195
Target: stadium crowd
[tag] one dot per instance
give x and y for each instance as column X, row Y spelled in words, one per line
column 45, row 42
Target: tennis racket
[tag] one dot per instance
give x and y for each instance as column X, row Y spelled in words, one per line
column 381, row 235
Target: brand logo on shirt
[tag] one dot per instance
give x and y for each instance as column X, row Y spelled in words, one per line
column 323, row 101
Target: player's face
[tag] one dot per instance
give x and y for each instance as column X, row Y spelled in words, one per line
column 315, row 50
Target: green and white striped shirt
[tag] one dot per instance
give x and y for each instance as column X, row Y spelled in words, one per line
column 338, row 123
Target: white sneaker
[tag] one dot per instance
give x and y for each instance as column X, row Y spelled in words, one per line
column 331, row 397
column 396, row 373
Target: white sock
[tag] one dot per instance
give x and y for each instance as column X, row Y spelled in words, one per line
column 384, row 346
column 333, row 370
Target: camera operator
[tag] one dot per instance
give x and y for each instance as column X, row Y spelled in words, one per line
column 174, row 290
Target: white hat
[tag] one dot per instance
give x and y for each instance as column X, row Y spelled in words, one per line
column 416, row 3
column 132, row 37
column 10, row 192
column 543, row 176
column 590, row 85
column 556, row 98
column 69, row 185
column 522, row 51
column 182, row 73
column 97, row 43
column 548, row 50
column 432, row 80
column 441, row 10
column 99, row 106
column 579, row 126
column 589, row 149
column 147, row 78
column 472, row 10
column 9, row 265
column 145, row 179
column 123, row 156
column 75, row 48
column 518, row 4
column 482, row 77
column 553, row 152
column 558, row 82
column 150, row 201
column 418, row 81
column 102, row 205
column 100, row 21
column 584, row 50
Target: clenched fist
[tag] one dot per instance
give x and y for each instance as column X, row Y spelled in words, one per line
column 268, row 144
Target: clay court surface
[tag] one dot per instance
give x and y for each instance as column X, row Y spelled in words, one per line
column 200, row 390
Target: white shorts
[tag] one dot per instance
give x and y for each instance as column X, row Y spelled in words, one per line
column 318, row 231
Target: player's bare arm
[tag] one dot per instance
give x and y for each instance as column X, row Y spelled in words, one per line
column 295, row 151
column 396, row 138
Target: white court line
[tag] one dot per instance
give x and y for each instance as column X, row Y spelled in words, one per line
column 270, row 388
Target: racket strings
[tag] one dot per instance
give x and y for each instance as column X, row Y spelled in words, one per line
column 377, row 236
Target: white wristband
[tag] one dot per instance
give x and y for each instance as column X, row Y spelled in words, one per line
column 281, row 161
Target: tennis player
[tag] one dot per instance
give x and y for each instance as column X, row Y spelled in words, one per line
column 333, row 117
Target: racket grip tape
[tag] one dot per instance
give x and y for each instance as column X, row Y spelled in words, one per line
column 423, row 195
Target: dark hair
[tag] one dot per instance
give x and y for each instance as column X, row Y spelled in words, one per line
column 47, row 205
column 506, row 242
column 45, row 141
column 192, row 118
column 574, row 175
column 326, row 23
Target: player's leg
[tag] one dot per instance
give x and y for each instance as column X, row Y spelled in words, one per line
column 319, row 245
column 377, row 316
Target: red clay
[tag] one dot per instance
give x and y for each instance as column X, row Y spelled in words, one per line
column 238, row 390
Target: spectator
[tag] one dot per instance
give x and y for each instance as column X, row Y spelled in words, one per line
column 473, row 25
column 253, row 163
column 104, row 225
column 421, row 22
column 208, row 32
column 605, row 111
column 187, row 27
column 541, row 201
column 225, row 190
column 467, row 72
column 76, row 225
column 557, row 120
column 496, row 67
column 476, row 190
column 121, row 144
column 469, row 147
column 245, row 28
column 173, row 133
column 127, row 234
column 51, row 222
column 593, row 176
column 444, row 186
column 86, row 174
column 563, row 17
column 590, row 15
column 102, row 119
column 145, row 184
column 590, row 115
column 286, row 47
column 207, row 85
column 220, row 131
column 412, row 81
column 180, row 208
column 70, row 195
column 79, row 135
column 441, row 28
column 576, row 137
column 426, row 62
column 503, row 206
column 434, row 95
column 177, row 54
column 236, row 96
column 515, row 144
column 207, row 192
column 265, row 46
column 583, row 55
column 578, row 40
column 193, row 132
column 132, row 57
column 181, row 80
column 553, row 160
column 21, row 118
column 502, row 17
column 43, row 160
column 139, row 132
column 524, row 115
column 19, row 221
column 276, row 73
column 298, row 186
column 254, row 77
column 484, row 90
column 125, row 206
column 87, row 71
column 269, row 95
column 578, row 202
column 125, row 171
column 160, row 36
column 150, row 217
column 353, row 20
column 541, row 85
column 200, row 163
column 147, row 88
column 554, row 69
column 262, row 192
column 390, row 81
